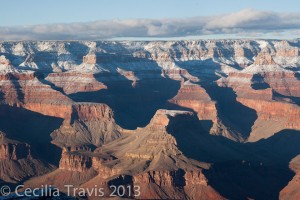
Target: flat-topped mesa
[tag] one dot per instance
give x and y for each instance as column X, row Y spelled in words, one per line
column 195, row 97
column 74, row 82
column 27, row 91
column 178, row 74
column 285, row 83
column 93, row 112
column 13, row 150
column 161, row 119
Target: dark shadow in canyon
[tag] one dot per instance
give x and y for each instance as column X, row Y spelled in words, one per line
column 41, row 77
column 258, row 82
column 232, row 113
column 32, row 128
column 284, row 98
column 17, row 87
column 2, row 99
column 259, row 170
column 297, row 75
column 133, row 105
column 262, row 176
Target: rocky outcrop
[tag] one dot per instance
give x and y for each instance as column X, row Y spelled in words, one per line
column 292, row 190
column 130, row 75
column 264, row 58
column 258, row 91
column 90, row 124
column 285, row 83
column 229, row 84
column 25, row 90
column 73, row 82
column 276, row 111
column 195, row 97
column 71, row 54
column 13, row 150
column 146, row 158
column 90, row 59
column 151, row 156
column 16, row 161
column 73, row 161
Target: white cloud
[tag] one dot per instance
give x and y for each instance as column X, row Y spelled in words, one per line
column 247, row 21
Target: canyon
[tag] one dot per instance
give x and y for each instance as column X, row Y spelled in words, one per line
column 204, row 119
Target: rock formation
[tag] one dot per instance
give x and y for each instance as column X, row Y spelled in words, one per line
column 16, row 161
column 291, row 191
column 116, row 112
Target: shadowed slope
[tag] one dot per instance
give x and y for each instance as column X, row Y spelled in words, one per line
column 234, row 115
column 32, row 128
column 135, row 88
column 258, row 170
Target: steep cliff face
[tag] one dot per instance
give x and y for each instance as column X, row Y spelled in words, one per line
column 244, row 90
column 174, row 185
column 151, row 157
column 66, row 56
column 193, row 96
column 27, row 91
column 73, row 82
column 16, row 161
column 75, row 162
column 13, row 150
column 147, row 158
column 258, row 91
column 90, row 124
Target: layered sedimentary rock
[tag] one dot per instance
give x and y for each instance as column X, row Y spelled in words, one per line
column 193, row 96
column 13, row 150
column 256, row 91
column 159, row 169
column 147, row 158
column 243, row 90
column 27, row 91
column 75, row 162
column 90, row 124
column 75, row 82
column 90, row 59
column 16, row 162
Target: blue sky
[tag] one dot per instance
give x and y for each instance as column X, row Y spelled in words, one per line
column 54, row 11
column 99, row 19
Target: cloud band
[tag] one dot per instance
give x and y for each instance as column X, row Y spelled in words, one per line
column 246, row 22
